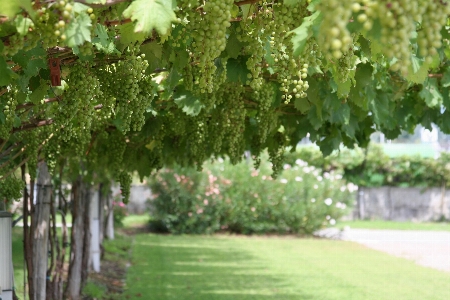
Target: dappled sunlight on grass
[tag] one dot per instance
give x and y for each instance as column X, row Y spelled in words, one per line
column 225, row 268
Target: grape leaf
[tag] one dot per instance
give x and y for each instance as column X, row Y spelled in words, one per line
column 78, row 31
column 417, row 70
column 129, row 36
column 234, row 46
column 5, row 72
column 187, row 101
column 302, row 105
column 102, row 41
column 341, row 115
column 303, row 32
column 237, row 70
column 22, row 24
column 445, row 82
column 10, row 8
column 38, row 94
column 430, row 93
column 151, row 14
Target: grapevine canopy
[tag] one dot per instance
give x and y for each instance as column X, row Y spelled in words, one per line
column 150, row 82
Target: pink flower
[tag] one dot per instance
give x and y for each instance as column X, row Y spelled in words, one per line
column 199, row 211
column 253, row 209
column 205, row 202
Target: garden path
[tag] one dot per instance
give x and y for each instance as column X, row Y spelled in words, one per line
column 426, row 248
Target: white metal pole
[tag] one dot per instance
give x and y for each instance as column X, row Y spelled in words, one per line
column 95, row 231
column 6, row 270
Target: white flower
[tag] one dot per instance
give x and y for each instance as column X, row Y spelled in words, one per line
column 306, row 169
column 338, row 205
column 298, row 178
column 343, row 206
column 220, row 160
column 319, row 178
column 326, row 175
column 332, row 222
column 286, row 166
column 338, row 176
column 313, row 200
column 283, row 180
column 328, row 201
column 316, row 186
column 300, row 163
column 328, row 217
column 343, row 188
column 352, row 188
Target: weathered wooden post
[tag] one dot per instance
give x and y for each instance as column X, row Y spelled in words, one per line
column 41, row 226
column 6, row 270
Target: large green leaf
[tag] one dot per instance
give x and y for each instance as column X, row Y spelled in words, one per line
column 10, row 8
column 430, row 93
column 151, row 14
column 187, row 101
column 303, row 32
column 78, row 30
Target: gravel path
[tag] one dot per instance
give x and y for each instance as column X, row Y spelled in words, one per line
column 426, row 248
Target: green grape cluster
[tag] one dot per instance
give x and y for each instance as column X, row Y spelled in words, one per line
column 312, row 54
column 276, row 152
column 291, row 72
column 434, row 18
column 106, row 98
column 334, row 37
column 32, row 141
column 124, row 179
column 197, row 139
column 252, row 33
column 235, row 114
column 292, row 86
column 346, row 63
column 208, row 27
column 130, row 105
column 265, row 116
column 114, row 146
column 11, row 188
column 144, row 101
column 76, row 112
column 52, row 153
column 9, row 103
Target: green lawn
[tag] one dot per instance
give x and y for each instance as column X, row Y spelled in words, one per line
column 18, row 260
column 380, row 224
column 229, row 268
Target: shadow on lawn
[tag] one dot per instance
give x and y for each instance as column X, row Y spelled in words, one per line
column 183, row 267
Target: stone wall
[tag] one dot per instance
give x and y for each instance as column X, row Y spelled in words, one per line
column 403, row 204
column 139, row 195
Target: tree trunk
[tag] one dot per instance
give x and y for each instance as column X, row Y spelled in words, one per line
column 27, row 229
column 41, row 226
column 76, row 241
column 80, row 209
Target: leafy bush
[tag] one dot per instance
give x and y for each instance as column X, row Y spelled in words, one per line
column 120, row 212
column 373, row 168
column 243, row 200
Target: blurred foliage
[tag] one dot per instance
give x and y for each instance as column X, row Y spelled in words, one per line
column 371, row 167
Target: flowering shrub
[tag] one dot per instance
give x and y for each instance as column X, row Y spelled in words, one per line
column 241, row 199
column 120, row 212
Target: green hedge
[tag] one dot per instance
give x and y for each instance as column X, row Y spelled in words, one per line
column 240, row 199
column 371, row 167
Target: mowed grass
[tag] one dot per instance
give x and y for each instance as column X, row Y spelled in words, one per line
column 230, row 268
column 18, row 261
column 381, row 224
